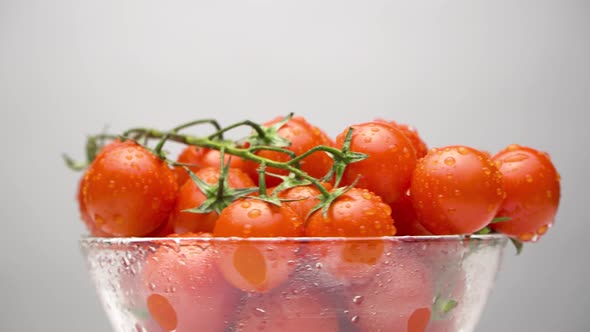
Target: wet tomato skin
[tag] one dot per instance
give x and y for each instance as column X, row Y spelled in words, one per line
column 128, row 191
column 456, row 190
column 532, row 192
column 391, row 160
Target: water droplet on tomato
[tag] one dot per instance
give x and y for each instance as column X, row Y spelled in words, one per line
column 528, row 178
column 245, row 204
column 247, row 229
column 450, row 161
column 366, row 195
column 367, row 139
column 543, row 229
column 513, row 147
column 254, row 213
column 355, row 319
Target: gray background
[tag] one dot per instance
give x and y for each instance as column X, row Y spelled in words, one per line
column 480, row 73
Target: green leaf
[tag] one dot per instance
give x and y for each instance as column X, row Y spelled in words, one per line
column 518, row 245
column 500, row 219
column 483, row 231
column 73, row 164
column 442, row 306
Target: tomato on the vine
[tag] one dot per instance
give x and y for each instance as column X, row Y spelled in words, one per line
column 199, row 157
column 190, row 197
column 532, row 192
column 355, row 213
column 128, row 191
column 303, row 137
column 257, row 266
column 302, row 198
column 456, row 190
column 183, row 289
column 390, row 163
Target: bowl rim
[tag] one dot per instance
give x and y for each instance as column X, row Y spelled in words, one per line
column 90, row 240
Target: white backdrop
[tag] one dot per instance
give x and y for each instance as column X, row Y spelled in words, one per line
column 474, row 72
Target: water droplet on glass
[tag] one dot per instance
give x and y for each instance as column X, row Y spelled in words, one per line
column 358, row 299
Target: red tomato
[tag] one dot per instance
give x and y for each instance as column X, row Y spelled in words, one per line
column 398, row 299
column 412, row 134
column 128, row 191
column 288, row 309
column 356, row 213
column 200, row 158
column 184, row 291
column 303, row 137
column 392, row 159
column 405, row 218
column 456, row 190
column 190, row 196
column 533, row 192
column 84, row 216
column 302, row 198
column 257, row 266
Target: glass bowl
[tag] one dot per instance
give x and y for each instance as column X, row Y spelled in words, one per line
column 413, row 284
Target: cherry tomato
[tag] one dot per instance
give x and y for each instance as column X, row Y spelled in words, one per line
column 390, row 163
column 412, row 134
column 303, row 137
column 405, row 218
column 190, row 196
column 456, row 190
column 184, row 291
column 356, row 213
column 302, row 198
column 533, row 192
column 398, row 299
column 128, row 191
column 200, row 158
column 290, row 308
column 84, row 216
column 257, row 266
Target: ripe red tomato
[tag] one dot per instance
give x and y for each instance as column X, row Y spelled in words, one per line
column 533, row 192
column 456, row 190
column 257, row 266
column 128, row 191
column 405, row 219
column 190, row 196
column 184, row 291
column 356, row 213
column 84, row 216
column 412, row 134
column 303, row 137
column 287, row 309
column 392, row 159
column 302, row 198
column 398, row 299
column 200, row 158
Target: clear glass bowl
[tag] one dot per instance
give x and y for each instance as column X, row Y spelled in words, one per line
column 413, row 284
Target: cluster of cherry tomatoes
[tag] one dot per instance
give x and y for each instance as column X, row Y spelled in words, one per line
column 399, row 187
column 289, row 179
